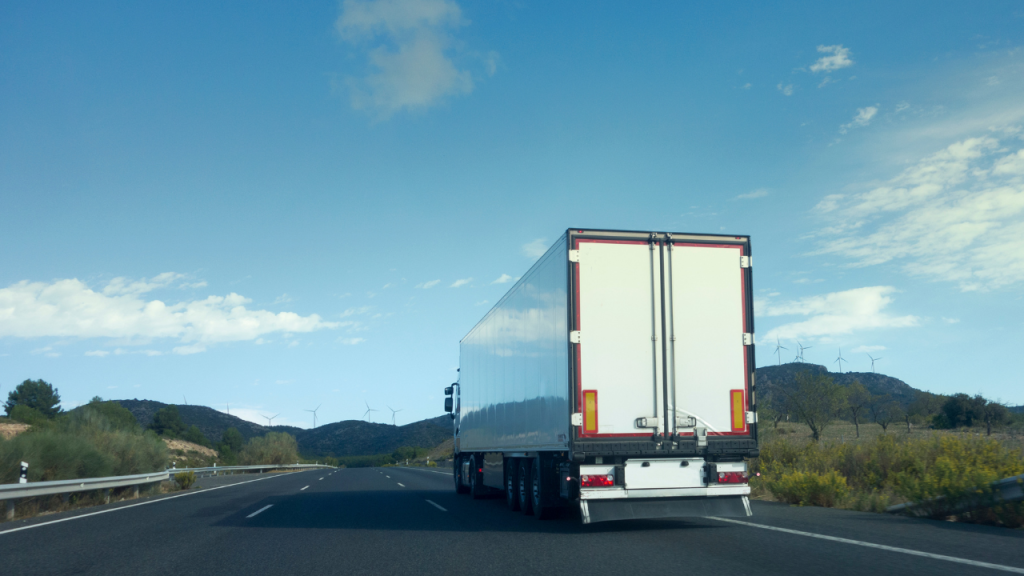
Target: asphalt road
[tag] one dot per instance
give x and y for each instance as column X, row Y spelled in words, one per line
column 410, row 521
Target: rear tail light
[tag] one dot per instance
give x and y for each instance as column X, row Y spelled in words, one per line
column 597, row 480
column 732, row 478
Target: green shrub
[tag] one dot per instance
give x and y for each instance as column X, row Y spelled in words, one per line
column 810, row 488
column 167, row 422
column 432, row 464
column 185, row 480
column 274, row 448
column 28, row 415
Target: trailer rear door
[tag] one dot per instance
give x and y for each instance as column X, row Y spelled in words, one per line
column 707, row 311
column 618, row 315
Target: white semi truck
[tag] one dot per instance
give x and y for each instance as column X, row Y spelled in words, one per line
column 617, row 376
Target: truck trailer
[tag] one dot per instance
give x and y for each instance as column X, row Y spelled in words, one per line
column 616, row 376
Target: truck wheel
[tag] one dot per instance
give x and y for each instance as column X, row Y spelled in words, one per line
column 512, row 484
column 525, row 502
column 476, row 488
column 538, row 498
column 460, row 487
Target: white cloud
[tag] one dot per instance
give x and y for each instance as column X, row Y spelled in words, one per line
column 97, row 353
column 283, row 299
column 863, row 118
column 428, row 285
column 292, row 344
column 461, row 282
column 950, row 320
column 408, row 44
column 123, row 286
column 838, row 57
column 351, row 341
column 480, row 303
column 834, row 314
column 355, row 311
column 747, row 86
column 503, row 279
column 194, row 285
column 955, row 216
column 867, row 349
column 189, row 349
column 759, row 193
column 69, row 308
column 536, row 248
column 786, row 90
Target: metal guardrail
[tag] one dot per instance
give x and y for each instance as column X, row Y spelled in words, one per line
column 1006, row 490
column 14, row 492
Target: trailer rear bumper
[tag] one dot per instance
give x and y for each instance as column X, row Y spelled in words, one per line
column 604, row 510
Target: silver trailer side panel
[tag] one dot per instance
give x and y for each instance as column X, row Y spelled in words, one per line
column 514, row 392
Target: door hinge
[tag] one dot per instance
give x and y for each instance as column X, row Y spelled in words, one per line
column 577, row 419
column 746, row 261
column 748, row 339
column 751, row 417
column 574, row 336
column 686, row 422
column 574, row 255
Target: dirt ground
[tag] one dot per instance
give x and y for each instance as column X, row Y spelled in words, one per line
column 187, row 447
column 11, row 429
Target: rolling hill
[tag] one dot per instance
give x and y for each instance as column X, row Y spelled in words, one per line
column 345, row 438
column 771, row 379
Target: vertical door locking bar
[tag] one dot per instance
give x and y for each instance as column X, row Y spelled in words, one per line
column 664, row 345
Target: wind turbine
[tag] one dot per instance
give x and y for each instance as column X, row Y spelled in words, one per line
column 778, row 349
column 314, row 414
column 840, row 360
column 393, row 412
column 270, row 419
column 873, row 360
column 368, row 410
column 800, row 355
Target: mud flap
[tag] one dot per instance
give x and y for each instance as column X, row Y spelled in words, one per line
column 646, row 508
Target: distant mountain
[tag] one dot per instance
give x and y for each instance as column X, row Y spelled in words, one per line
column 772, row 379
column 356, row 437
column 346, row 438
column 1016, row 409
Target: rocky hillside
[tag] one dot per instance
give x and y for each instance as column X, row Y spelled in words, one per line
column 771, row 379
column 211, row 422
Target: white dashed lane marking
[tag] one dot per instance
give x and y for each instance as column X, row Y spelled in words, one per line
column 258, row 511
column 402, row 485
column 438, row 506
column 303, row 488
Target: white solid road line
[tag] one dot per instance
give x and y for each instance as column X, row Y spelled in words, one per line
column 438, row 506
column 258, row 511
column 303, row 488
column 431, row 471
column 386, row 476
column 877, row 546
column 134, row 505
column 402, row 485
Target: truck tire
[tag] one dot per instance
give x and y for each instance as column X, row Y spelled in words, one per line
column 512, row 484
column 460, row 487
column 525, row 502
column 538, row 495
column 476, row 487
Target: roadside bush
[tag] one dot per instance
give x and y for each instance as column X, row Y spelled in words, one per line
column 274, row 448
column 432, row 464
column 28, row 415
column 810, row 488
column 185, row 480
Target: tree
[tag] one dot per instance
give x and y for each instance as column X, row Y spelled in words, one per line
column 857, row 400
column 993, row 413
column 195, row 436
column 119, row 417
column 884, row 410
column 36, row 394
column 232, row 439
column 816, row 400
column 961, row 410
column 167, row 422
column 274, row 448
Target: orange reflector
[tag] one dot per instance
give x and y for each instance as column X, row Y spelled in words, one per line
column 590, row 411
column 739, row 410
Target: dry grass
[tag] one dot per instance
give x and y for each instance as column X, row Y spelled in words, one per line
column 186, row 447
column 10, row 429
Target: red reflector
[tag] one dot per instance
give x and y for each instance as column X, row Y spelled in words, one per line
column 595, row 480
column 480, row 470
column 732, row 478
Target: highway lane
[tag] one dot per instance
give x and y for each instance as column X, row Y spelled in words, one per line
column 397, row 521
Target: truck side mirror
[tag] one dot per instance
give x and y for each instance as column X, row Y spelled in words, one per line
column 448, row 391
column 448, row 404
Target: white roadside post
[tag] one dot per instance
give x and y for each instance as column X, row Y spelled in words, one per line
column 24, row 473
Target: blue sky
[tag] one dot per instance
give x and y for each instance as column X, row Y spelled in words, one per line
column 280, row 207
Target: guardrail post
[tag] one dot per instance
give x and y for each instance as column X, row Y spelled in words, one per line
column 136, row 490
column 106, row 495
column 10, row 509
